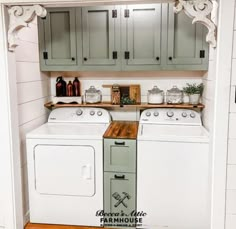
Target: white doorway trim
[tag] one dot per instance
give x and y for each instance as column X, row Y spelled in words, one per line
column 10, row 174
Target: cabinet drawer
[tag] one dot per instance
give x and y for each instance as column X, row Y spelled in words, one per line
column 119, row 155
column 119, row 193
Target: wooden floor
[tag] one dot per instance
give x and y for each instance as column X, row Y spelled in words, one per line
column 49, row 226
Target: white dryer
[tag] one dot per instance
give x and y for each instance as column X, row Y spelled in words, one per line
column 65, row 167
column 173, row 170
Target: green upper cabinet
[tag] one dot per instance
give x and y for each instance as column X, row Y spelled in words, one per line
column 101, row 37
column 186, row 45
column 141, row 36
column 58, row 46
column 131, row 37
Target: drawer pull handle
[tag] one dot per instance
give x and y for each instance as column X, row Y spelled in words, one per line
column 235, row 96
column 119, row 143
column 119, row 176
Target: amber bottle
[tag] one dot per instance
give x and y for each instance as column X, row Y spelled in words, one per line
column 76, row 87
column 69, row 89
column 60, row 87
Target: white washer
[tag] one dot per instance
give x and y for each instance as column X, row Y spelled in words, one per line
column 173, row 170
column 65, row 167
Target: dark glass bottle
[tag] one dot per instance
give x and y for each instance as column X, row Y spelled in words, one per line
column 69, row 89
column 76, row 87
column 59, row 86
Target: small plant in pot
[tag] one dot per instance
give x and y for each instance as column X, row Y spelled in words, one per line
column 194, row 92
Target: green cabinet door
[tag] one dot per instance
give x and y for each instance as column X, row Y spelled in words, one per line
column 185, row 41
column 141, row 36
column 60, row 37
column 119, row 155
column 101, row 36
column 119, row 195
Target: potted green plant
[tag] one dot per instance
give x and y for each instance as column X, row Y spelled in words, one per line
column 194, row 92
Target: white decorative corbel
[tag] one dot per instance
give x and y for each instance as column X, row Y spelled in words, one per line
column 19, row 17
column 199, row 10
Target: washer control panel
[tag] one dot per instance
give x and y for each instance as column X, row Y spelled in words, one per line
column 167, row 116
column 80, row 115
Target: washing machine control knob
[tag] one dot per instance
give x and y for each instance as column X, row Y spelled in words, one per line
column 148, row 113
column 192, row 115
column 184, row 115
column 170, row 114
column 99, row 113
column 79, row 112
column 156, row 113
column 92, row 113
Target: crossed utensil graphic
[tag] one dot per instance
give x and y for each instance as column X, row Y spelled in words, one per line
column 120, row 199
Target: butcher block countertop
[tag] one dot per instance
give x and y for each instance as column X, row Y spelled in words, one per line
column 122, row 130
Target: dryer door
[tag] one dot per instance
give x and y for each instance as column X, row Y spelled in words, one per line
column 64, row 170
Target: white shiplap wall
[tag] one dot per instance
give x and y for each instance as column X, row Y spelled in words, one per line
column 231, row 166
column 33, row 90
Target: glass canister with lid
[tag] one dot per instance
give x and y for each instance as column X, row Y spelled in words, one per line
column 92, row 95
column 155, row 96
column 174, row 96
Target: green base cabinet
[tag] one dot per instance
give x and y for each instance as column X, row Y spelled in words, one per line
column 121, row 38
column 119, row 182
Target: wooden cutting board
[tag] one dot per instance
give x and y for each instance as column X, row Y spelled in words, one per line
column 133, row 90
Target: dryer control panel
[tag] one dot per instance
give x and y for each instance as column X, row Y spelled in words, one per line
column 79, row 115
column 166, row 116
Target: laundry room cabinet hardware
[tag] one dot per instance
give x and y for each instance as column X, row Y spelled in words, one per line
column 85, row 58
column 114, row 55
column 95, row 32
column 45, row 55
column 114, row 13
column 202, row 53
column 119, row 143
column 126, row 55
column 170, row 58
column 119, row 176
column 126, row 14
column 73, row 58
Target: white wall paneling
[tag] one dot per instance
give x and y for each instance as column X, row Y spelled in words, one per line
column 230, row 222
column 10, row 191
column 220, row 115
column 33, row 90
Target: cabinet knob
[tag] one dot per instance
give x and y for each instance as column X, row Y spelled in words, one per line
column 73, row 59
column 170, row 58
column 157, row 58
column 85, row 58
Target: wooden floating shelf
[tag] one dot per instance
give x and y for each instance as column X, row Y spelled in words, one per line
column 50, row 105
